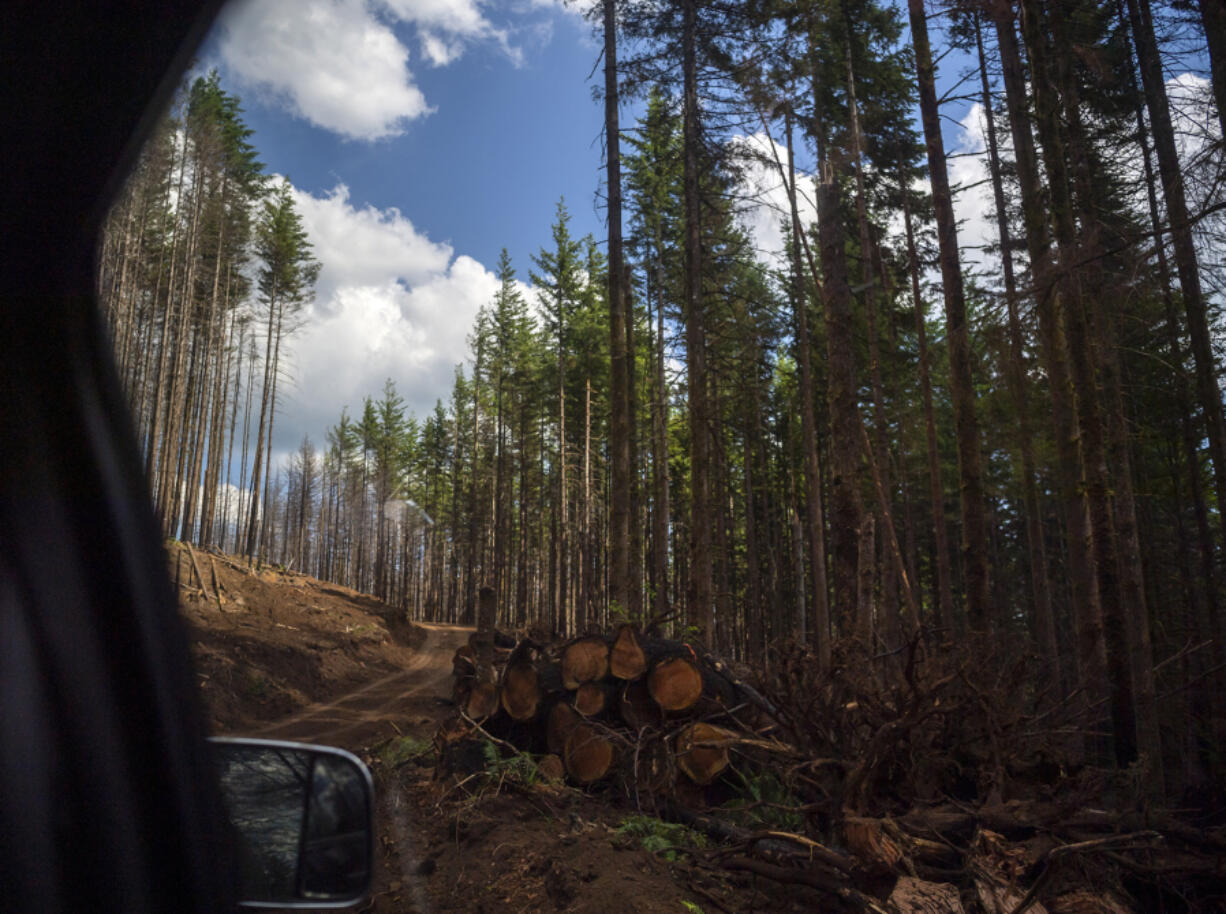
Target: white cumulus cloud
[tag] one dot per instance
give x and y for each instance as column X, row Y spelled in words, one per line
column 363, row 245
column 341, row 64
column 974, row 206
column 390, row 303
column 769, row 210
column 331, row 62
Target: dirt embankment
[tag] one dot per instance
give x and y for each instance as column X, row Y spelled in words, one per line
column 283, row 655
column 269, row 643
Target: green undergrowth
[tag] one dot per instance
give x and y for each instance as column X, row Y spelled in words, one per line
column 404, row 749
column 518, row 768
column 764, row 803
column 666, row 839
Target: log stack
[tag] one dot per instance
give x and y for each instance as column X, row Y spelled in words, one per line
column 853, row 786
column 615, row 705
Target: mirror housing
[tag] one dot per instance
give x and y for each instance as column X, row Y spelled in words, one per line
column 302, row 821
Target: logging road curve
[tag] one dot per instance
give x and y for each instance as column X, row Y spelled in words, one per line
column 383, row 708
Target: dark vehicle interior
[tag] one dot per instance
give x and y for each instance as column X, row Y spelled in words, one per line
column 108, row 791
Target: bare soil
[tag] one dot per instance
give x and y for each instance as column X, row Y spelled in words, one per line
column 283, row 655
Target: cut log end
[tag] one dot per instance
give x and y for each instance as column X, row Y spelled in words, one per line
column 551, row 768
column 591, row 699
column 584, row 660
column 520, row 693
column 675, row 684
column 562, row 719
column 627, row 660
column 636, row 705
column 702, row 751
column 460, row 752
column 482, row 701
column 588, row 754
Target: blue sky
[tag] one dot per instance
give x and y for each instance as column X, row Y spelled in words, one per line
column 421, row 137
column 510, row 129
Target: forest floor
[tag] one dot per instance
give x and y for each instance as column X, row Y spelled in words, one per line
column 283, row 655
column 949, row 804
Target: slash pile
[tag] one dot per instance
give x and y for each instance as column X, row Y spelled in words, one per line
column 651, row 714
column 926, row 779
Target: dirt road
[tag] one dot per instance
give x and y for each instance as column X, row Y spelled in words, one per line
column 383, row 708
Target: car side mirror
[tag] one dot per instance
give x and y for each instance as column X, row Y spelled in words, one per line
column 302, row 821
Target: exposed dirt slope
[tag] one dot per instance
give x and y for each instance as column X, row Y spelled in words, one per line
column 270, row 643
column 407, row 698
column 287, row 656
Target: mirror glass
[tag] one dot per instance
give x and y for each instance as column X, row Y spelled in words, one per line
column 302, row 822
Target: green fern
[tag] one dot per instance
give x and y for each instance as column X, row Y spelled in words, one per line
column 396, row 752
column 666, row 839
column 762, row 795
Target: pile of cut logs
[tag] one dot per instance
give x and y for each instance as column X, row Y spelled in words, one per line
column 601, row 707
column 668, row 726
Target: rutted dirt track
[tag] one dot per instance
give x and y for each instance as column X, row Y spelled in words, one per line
column 281, row 655
column 382, row 708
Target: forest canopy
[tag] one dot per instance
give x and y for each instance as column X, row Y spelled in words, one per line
column 873, row 433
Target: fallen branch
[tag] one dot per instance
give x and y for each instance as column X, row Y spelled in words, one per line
column 1081, row 847
column 191, row 554
column 810, row 878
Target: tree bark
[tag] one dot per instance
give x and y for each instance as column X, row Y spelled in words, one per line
column 846, row 508
column 936, row 491
column 1213, row 18
column 819, row 630
column 619, row 401
column 1040, row 591
column 1070, row 297
column 889, row 629
column 662, row 510
column 700, row 608
column 974, row 523
column 1180, row 227
column 250, row 546
column 1091, row 662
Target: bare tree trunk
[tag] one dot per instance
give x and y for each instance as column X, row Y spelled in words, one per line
column 217, row 421
column 1091, row 661
column 865, row 596
column 500, row 485
column 250, row 544
column 1040, row 592
column 974, row 525
column 846, row 509
column 755, row 608
column 213, row 324
column 936, row 492
column 160, row 388
column 218, row 445
column 562, row 540
column 178, row 400
column 1071, row 299
column 1208, row 623
column 272, row 411
column 245, row 504
column 521, row 576
column 700, row 608
column 474, row 499
column 819, row 631
column 798, row 573
column 660, row 464
column 584, row 611
column 620, row 430
column 634, row 569
column 889, row 629
column 1181, row 235
column 1213, row 17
